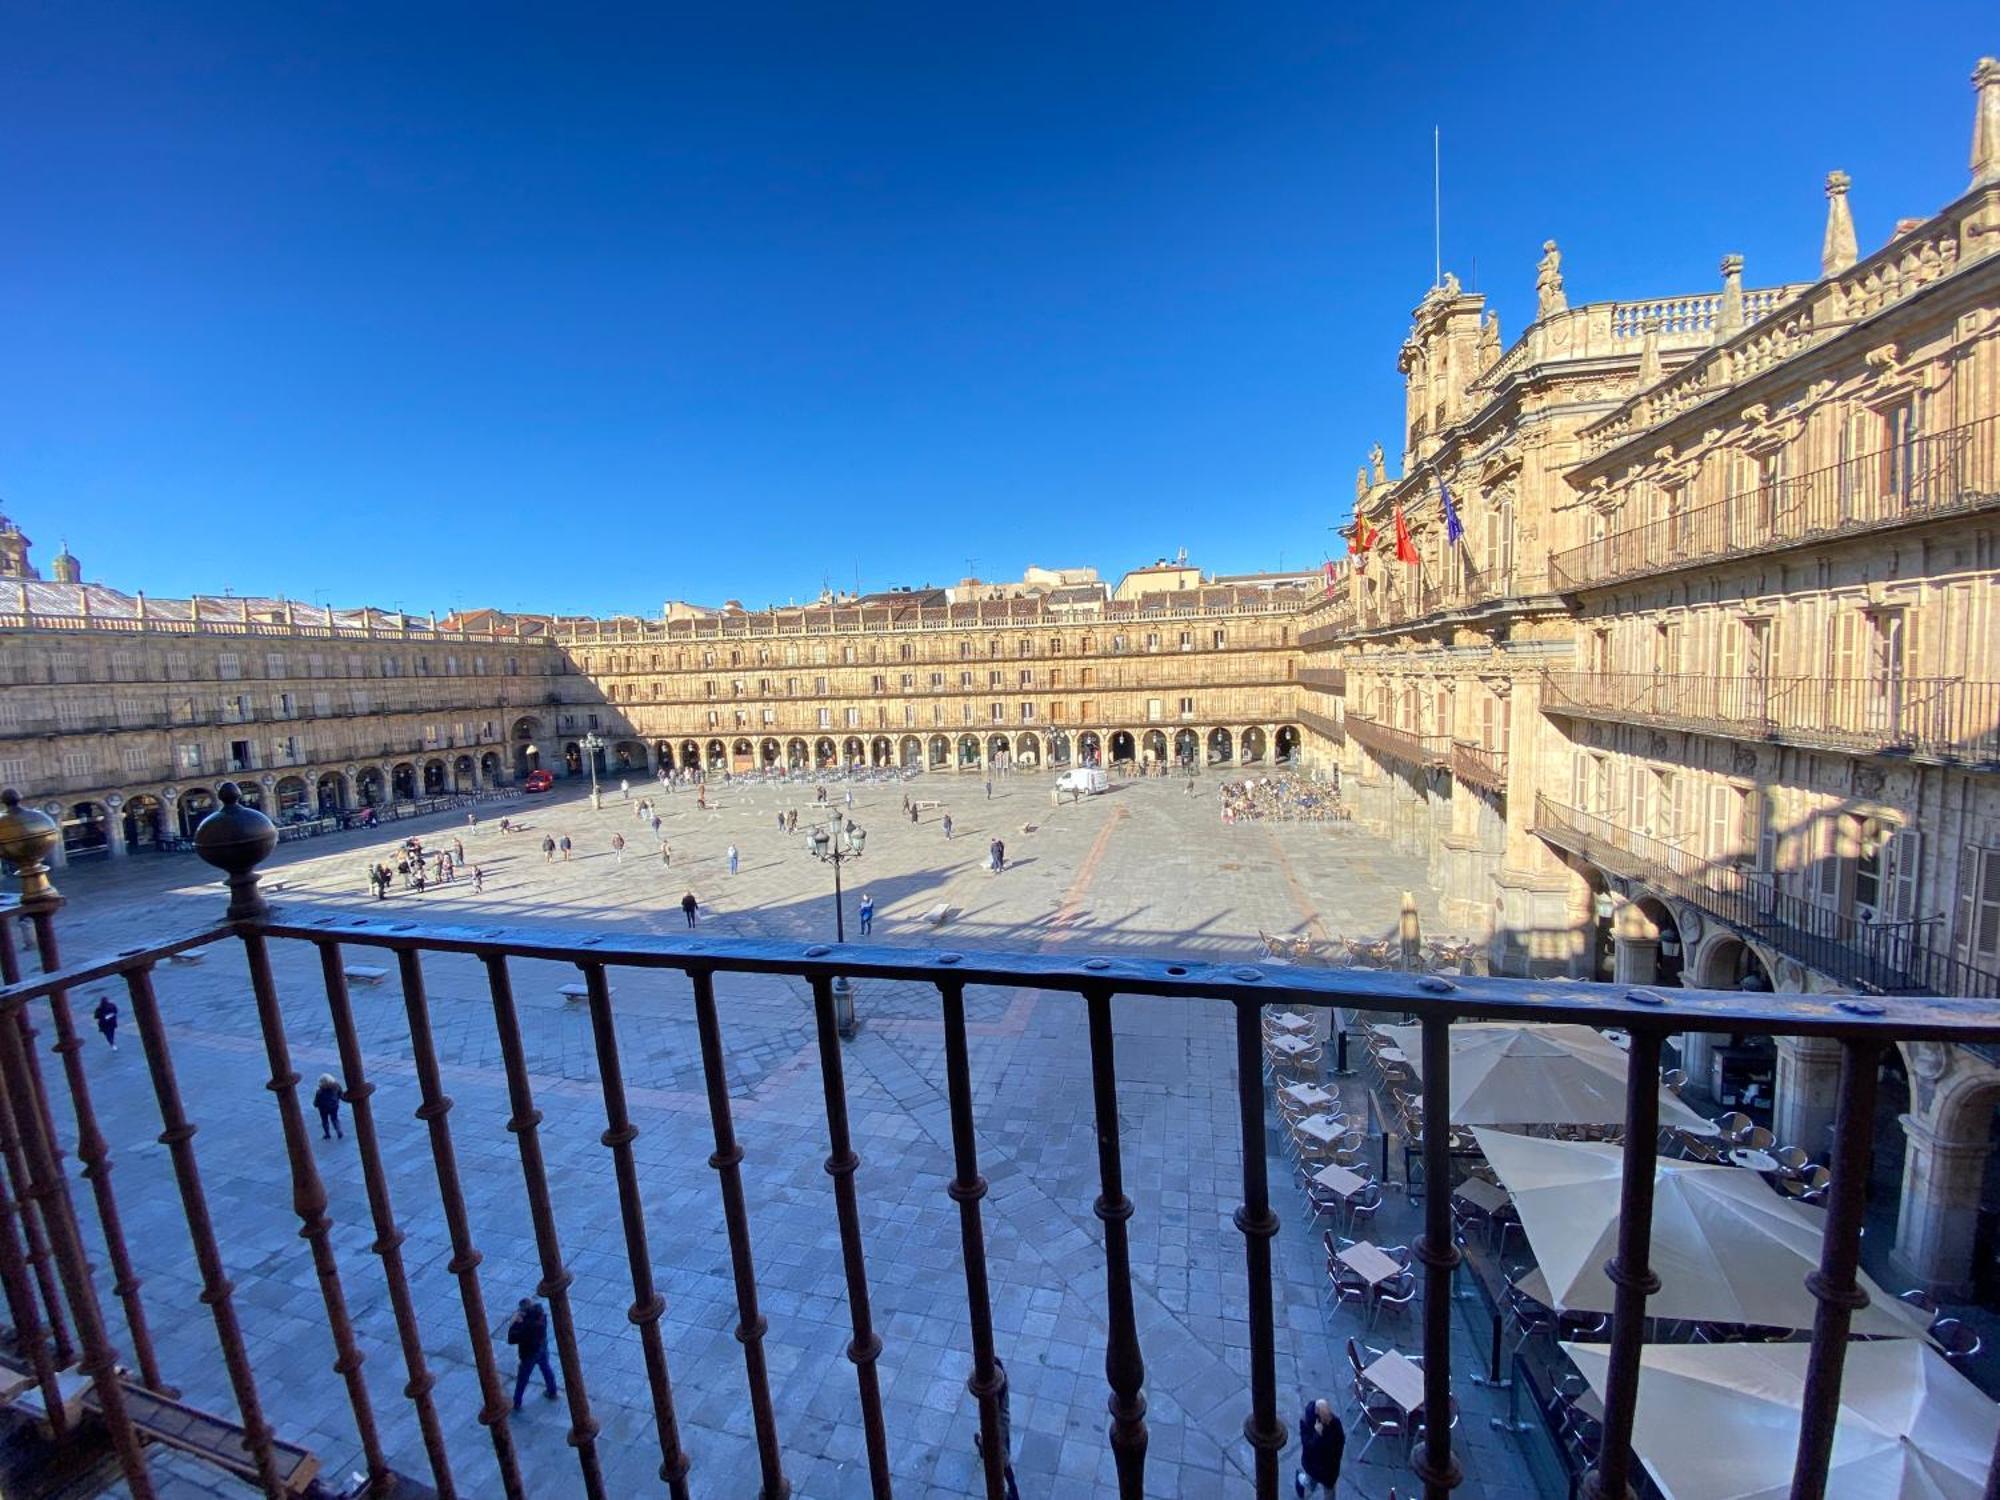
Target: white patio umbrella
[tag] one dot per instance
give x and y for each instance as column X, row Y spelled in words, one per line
column 1727, row 1249
column 1721, row 1421
column 1513, row 1073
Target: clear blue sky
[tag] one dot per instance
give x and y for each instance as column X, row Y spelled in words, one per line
column 583, row 308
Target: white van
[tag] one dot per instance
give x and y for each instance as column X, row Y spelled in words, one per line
column 1085, row 781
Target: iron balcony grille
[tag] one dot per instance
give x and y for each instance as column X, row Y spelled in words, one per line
column 1944, row 719
column 1419, row 750
column 1481, row 765
column 1951, row 472
column 57, row 1308
column 1331, row 679
column 1331, row 730
column 1890, row 958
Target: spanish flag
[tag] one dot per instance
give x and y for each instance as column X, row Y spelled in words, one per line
column 1361, row 538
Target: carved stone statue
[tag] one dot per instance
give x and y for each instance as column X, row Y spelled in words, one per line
column 1376, row 464
column 1361, row 483
column 1489, row 341
column 1450, row 284
column 1549, row 298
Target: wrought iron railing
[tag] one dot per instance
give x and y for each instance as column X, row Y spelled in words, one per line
column 1329, row 729
column 1950, row 472
column 1404, row 745
column 1890, row 958
column 58, row 1311
column 1937, row 718
column 1331, row 679
column 1482, row 765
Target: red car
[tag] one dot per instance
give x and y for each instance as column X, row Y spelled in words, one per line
column 538, row 781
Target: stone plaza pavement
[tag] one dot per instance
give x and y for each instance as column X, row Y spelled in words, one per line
column 1147, row 869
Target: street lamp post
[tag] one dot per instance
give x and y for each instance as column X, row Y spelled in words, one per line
column 835, row 845
column 592, row 743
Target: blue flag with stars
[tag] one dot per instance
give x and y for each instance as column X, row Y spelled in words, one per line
column 1454, row 533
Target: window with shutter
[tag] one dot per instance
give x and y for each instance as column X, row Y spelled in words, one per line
column 1826, row 863
column 1906, row 850
column 1978, row 935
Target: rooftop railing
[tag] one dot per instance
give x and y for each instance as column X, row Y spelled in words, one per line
column 1879, row 957
column 1943, row 719
column 60, row 1311
column 1951, row 472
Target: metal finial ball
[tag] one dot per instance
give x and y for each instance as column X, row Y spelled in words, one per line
column 27, row 837
column 235, row 838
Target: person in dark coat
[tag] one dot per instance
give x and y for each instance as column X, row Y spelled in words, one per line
column 1322, row 1440
column 326, row 1099
column 1005, row 1426
column 106, row 1016
column 528, row 1332
column 689, row 905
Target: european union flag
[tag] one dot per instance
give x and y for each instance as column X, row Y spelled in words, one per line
column 1454, row 533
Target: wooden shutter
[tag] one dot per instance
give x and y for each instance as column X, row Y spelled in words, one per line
column 1906, row 850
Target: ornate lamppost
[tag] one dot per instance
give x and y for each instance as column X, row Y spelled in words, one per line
column 592, row 743
column 836, row 844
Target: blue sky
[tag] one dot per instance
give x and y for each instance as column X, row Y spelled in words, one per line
column 583, row 308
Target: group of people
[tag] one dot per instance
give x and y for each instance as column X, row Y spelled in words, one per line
column 418, row 870
column 1279, row 799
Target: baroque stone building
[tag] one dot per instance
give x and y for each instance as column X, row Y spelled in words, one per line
column 1697, row 678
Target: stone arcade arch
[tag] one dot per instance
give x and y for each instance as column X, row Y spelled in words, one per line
column 690, row 756
column 144, row 821
column 968, row 752
column 1221, row 748
column 768, row 754
column 463, row 777
column 370, row 787
column 330, row 793
column 940, row 752
column 435, row 782
column 912, row 753
column 853, row 752
column 527, row 754
column 1251, row 745
column 741, row 757
column 1089, row 749
column 999, row 753
column 718, row 758
column 572, row 759
column 1286, row 744
column 628, row 758
column 489, row 768
column 194, row 804
column 292, row 796
column 879, row 752
column 1187, row 746
column 1154, row 745
column 1027, row 751
column 824, row 754
column 1059, row 747
column 796, row 755
column 86, row 828
column 403, row 782
column 1123, row 746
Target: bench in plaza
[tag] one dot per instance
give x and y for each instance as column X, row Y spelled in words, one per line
column 365, row 973
column 188, row 956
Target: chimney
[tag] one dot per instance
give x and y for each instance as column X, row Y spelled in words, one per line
column 1986, row 122
column 1729, row 321
column 1838, row 250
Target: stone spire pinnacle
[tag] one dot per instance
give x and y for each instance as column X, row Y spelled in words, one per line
column 1986, row 122
column 1838, row 251
column 1729, row 319
column 1649, row 353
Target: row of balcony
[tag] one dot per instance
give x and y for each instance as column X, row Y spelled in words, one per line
column 1951, row 472
column 1330, row 679
column 1419, row 750
column 1333, row 731
column 1888, row 958
column 1943, row 719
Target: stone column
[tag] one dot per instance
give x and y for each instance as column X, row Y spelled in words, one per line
column 1697, row 1049
column 1808, row 1088
column 1940, row 1209
column 1635, row 947
column 114, row 832
column 478, row 776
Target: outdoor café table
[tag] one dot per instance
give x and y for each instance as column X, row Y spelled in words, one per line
column 1483, row 1195
column 1369, row 1263
column 1398, row 1378
column 1340, row 1180
column 1292, row 1021
column 1756, row 1161
column 1311, row 1095
column 1291, row 1045
column 1393, row 1055
column 1323, row 1128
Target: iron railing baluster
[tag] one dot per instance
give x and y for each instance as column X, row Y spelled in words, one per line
column 728, row 1164
column 967, row 1188
column 865, row 1349
column 1124, row 1369
column 1437, row 1466
column 359, row 1092
column 99, row 1359
column 435, row 1111
column 309, row 1199
column 23, row 1312
column 1630, row 1270
column 1259, row 1225
column 177, row 1134
column 1834, row 1285
column 647, row 1303
column 524, row 1121
column 31, row 1192
column 95, row 1153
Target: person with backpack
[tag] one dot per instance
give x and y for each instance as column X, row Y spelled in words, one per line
column 528, row 1332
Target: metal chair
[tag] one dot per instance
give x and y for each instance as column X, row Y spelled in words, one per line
column 1382, row 1417
column 1396, row 1295
column 1733, row 1126
column 1364, row 1205
column 1956, row 1342
column 1792, row 1160
column 1674, row 1080
column 1757, row 1138
column 1921, row 1300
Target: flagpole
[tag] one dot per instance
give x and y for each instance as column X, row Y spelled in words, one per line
column 1437, row 209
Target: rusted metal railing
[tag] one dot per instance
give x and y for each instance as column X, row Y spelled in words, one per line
column 238, row 838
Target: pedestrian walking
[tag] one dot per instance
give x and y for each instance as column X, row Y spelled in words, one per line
column 472, row 820
column 913, row 812
column 1322, row 1441
column 781, row 822
column 689, row 906
column 850, row 796
column 732, row 859
column 947, row 826
column 618, row 848
column 656, row 825
column 478, row 880
column 989, row 789
column 867, row 913
column 106, row 1016
column 993, row 855
column 563, row 844
column 506, row 825
column 624, row 790
column 326, row 1099
column 548, row 849
column 1004, row 1431
column 458, row 851
column 999, row 854
column 528, row 1332
column 403, row 869
column 666, row 852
